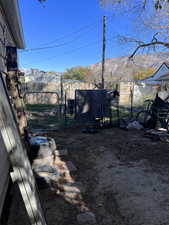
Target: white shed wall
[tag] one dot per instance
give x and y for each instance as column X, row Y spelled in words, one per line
column 5, row 39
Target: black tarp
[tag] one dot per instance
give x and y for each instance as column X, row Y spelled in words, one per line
column 91, row 104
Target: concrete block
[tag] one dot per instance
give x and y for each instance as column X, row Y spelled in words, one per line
column 62, row 152
column 76, row 187
column 52, row 144
column 42, row 162
column 48, row 172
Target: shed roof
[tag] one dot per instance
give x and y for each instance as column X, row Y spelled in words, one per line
column 11, row 13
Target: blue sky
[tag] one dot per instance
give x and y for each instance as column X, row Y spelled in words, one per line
column 74, row 25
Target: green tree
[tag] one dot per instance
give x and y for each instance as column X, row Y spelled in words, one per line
column 141, row 75
column 77, row 73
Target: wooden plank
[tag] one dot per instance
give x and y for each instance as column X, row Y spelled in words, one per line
column 125, row 93
column 22, row 174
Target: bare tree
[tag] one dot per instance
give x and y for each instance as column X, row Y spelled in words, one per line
column 152, row 15
column 157, row 4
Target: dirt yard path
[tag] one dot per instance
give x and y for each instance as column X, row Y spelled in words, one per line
column 121, row 177
column 125, row 175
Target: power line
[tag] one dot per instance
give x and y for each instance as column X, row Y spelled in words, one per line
column 75, row 49
column 52, row 46
column 73, row 32
column 69, row 34
column 61, row 38
column 71, row 51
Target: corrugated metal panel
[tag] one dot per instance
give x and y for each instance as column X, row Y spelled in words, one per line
column 22, row 174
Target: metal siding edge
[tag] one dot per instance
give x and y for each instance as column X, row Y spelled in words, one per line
column 12, row 16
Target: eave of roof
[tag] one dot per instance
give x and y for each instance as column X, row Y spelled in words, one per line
column 12, row 15
column 152, row 76
column 164, row 77
column 167, row 64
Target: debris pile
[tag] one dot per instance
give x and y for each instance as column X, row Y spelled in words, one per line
column 134, row 125
column 157, row 135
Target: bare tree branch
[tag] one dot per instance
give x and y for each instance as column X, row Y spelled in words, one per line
column 124, row 39
column 165, row 44
column 158, row 4
column 41, row 1
column 144, row 4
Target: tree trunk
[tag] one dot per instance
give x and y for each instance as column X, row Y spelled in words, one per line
column 17, row 100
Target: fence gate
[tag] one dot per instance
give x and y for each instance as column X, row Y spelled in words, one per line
column 43, row 110
column 22, row 172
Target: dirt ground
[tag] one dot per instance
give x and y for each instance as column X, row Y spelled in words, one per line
column 123, row 177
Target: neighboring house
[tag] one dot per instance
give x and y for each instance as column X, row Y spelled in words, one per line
column 35, row 75
column 164, row 78
column 11, row 34
column 156, row 78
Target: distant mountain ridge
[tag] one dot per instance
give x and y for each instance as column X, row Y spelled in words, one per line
column 116, row 69
column 124, row 69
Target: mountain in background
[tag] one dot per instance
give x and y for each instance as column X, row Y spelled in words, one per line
column 122, row 68
column 116, row 69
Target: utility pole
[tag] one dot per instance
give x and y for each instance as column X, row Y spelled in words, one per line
column 103, row 51
column 61, row 95
column 61, row 89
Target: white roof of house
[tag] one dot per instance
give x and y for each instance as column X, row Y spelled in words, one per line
column 12, row 15
column 159, row 75
column 165, row 77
